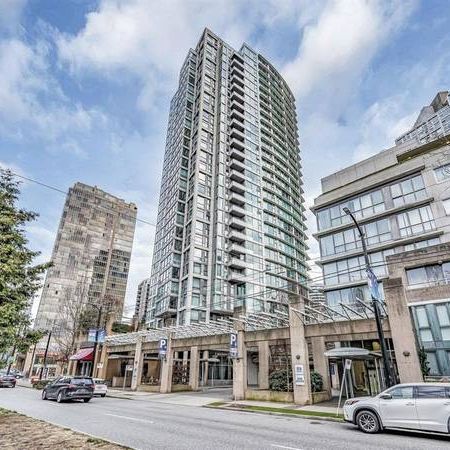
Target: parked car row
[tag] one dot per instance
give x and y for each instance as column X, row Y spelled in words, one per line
column 74, row 388
column 418, row 406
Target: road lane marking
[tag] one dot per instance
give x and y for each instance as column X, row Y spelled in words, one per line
column 284, row 446
column 130, row 418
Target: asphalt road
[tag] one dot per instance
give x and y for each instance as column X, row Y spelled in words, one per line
column 149, row 424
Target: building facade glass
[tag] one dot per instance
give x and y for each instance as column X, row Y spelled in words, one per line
column 91, row 257
column 230, row 225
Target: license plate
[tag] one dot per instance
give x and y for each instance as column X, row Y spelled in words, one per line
column 82, row 391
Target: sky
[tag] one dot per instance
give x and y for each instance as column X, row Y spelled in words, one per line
column 85, row 87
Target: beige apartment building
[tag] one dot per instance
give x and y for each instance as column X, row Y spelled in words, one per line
column 401, row 198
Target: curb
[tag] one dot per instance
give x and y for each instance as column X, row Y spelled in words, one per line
column 120, row 397
column 25, row 386
column 273, row 413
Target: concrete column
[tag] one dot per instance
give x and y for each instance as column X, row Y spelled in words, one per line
column 103, row 360
column 166, row 369
column 137, row 365
column 96, row 360
column 69, row 367
column 240, row 365
column 263, row 358
column 74, row 367
column 402, row 332
column 320, row 360
column 205, row 368
column 299, row 354
column 194, row 368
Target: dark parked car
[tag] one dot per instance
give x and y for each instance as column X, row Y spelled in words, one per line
column 69, row 388
column 7, row 380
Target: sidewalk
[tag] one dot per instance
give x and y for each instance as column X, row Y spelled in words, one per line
column 317, row 408
column 187, row 398
column 24, row 382
column 291, row 406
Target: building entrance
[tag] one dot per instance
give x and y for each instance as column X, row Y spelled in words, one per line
column 363, row 377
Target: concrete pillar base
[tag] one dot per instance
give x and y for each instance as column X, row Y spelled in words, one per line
column 167, row 369
column 194, row 369
column 299, row 356
column 263, row 358
column 137, row 365
column 240, row 366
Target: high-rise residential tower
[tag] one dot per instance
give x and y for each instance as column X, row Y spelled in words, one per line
column 142, row 300
column 231, row 225
column 91, row 256
column 432, row 122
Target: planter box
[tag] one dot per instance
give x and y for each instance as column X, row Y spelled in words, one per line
column 180, row 388
column 149, row 387
column 269, row 396
column 318, row 397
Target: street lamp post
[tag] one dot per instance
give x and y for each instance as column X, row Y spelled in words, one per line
column 99, row 317
column 375, row 304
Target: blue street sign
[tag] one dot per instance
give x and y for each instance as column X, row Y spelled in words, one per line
column 233, row 345
column 92, row 334
column 162, row 348
column 101, row 334
column 373, row 284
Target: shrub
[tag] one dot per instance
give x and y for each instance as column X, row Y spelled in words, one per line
column 281, row 380
column 316, row 382
column 40, row 384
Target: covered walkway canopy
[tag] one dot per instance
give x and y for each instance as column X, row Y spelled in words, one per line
column 351, row 353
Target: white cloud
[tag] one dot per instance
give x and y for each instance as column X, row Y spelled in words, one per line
column 149, row 40
column 337, row 48
column 381, row 124
column 10, row 14
column 32, row 102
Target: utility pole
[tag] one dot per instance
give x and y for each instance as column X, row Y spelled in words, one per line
column 44, row 364
column 375, row 303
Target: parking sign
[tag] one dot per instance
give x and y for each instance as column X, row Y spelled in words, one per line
column 233, row 345
column 162, row 348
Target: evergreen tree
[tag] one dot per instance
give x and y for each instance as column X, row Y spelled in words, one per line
column 19, row 278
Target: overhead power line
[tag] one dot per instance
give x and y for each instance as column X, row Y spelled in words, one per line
column 65, row 193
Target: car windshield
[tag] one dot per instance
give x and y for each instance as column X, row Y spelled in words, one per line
column 81, row 380
column 99, row 381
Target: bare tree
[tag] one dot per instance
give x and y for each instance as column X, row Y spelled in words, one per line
column 77, row 315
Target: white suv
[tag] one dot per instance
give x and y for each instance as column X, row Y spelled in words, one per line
column 418, row 406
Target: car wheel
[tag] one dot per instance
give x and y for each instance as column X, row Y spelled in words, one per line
column 368, row 422
column 85, row 400
column 103, row 395
column 44, row 395
column 59, row 397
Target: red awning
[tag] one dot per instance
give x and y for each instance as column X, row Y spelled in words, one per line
column 84, row 354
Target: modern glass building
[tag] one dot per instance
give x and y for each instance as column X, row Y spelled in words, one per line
column 91, row 257
column 231, row 225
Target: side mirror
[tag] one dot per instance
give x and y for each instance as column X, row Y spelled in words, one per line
column 386, row 396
